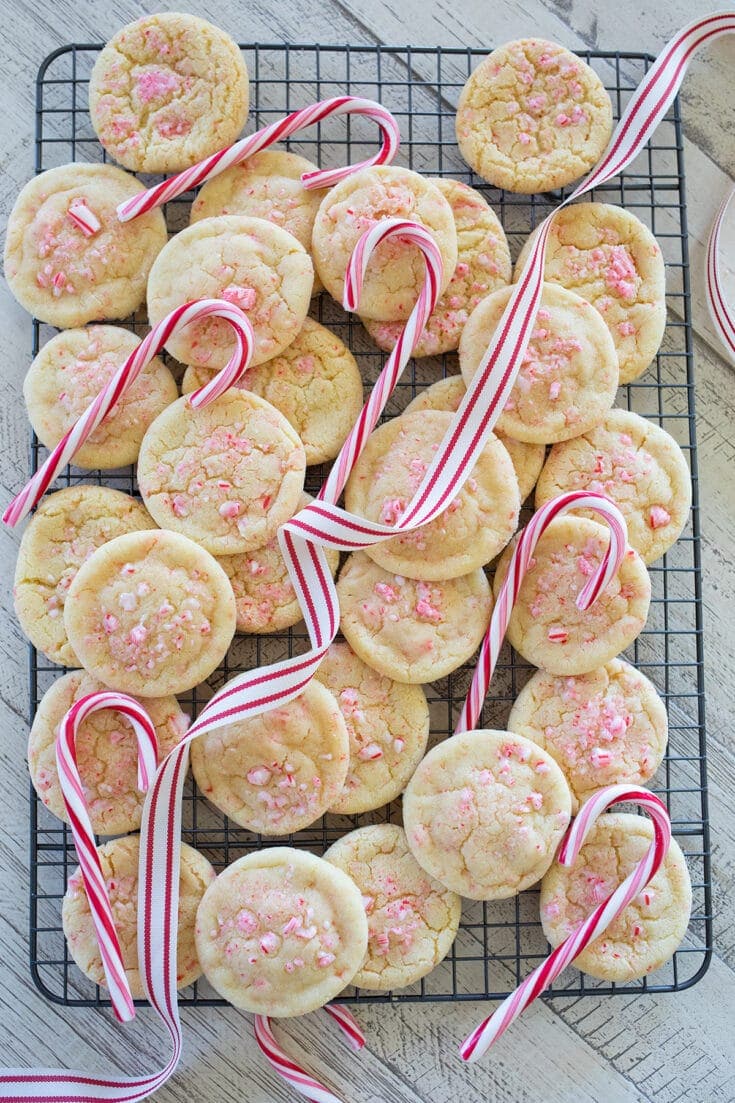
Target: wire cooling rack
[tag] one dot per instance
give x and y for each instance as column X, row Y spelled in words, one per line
column 499, row 942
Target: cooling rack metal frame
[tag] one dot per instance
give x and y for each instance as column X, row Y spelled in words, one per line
column 498, row 943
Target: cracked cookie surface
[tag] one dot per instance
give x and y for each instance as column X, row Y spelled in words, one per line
column 247, row 261
column 608, row 727
column 119, row 858
column 410, row 630
column 67, row 375
column 166, row 91
column 412, row 918
column 65, row 530
column 647, row 933
column 485, row 812
column 533, row 117
column 64, row 276
column 281, row 932
column 226, row 475
column 150, row 613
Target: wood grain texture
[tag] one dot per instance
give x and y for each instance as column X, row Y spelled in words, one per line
column 619, row 1050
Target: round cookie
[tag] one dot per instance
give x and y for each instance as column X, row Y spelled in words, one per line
column 67, row 375
column 106, row 751
column 412, row 918
column 475, row 526
column 265, row 599
column 65, row 530
column 226, row 475
column 484, row 813
column 387, row 724
column 569, row 373
column 447, row 394
column 267, row 185
column 547, row 628
column 315, row 383
column 166, row 91
column 396, row 271
column 281, row 932
column 246, row 261
column 119, row 858
column 150, row 613
column 483, row 265
column 653, row 925
column 609, row 257
column 608, row 727
column 636, row 464
column 280, row 771
column 412, row 631
column 64, row 276
column 533, row 117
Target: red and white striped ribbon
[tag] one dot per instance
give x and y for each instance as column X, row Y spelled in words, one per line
column 519, row 563
column 479, row 1041
column 123, row 379
column 287, row 1068
column 721, row 315
column 266, row 136
column 81, row 825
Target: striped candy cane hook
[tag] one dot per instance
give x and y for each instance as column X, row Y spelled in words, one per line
column 266, row 136
column 294, row 1074
column 479, row 1041
column 519, row 563
column 123, row 379
column 718, row 308
column 81, row 825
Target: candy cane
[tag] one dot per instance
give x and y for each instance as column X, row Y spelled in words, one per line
column 81, row 825
column 287, row 1068
column 123, row 379
column 599, row 920
column 721, row 316
column 83, row 217
column 519, row 563
column 266, row 136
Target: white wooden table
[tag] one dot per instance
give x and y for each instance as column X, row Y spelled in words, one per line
column 678, row 1047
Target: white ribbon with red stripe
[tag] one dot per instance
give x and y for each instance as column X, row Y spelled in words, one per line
column 721, row 316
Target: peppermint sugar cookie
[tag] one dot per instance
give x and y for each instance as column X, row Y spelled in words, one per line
column 477, row 523
column 483, row 265
column 410, row 630
column 636, row 464
column 150, row 613
column 119, row 858
column 485, row 812
column 396, row 270
column 315, row 383
column 166, row 91
column 412, row 918
column 447, row 394
column 226, row 475
column 281, row 932
column 569, row 372
column 533, row 117
column 246, row 261
column 546, row 626
column 265, row 599
column 608, row 727
column 106, row 753
column 68, row 258
column 280, row 771
column 609, row 257
column 68, row 374
column 267, row 185
column 387, row 724
column 651, row 928
column 65, row 530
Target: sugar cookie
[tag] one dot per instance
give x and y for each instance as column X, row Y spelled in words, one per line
column 150, row 613
column 281, row 932
column 653, row 925
column 166, row 91
column 412, row 918
column 546, row 626
column 484, row 813
column 569, row 372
